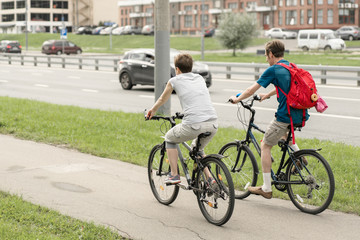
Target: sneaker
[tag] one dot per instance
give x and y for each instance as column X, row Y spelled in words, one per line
column 299, row 164
column 259, row 191
column 213, row 187
column 170, row 179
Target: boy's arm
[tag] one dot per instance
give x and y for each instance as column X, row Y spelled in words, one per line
column 264, row 96
column 247, row 93
column 161, row 100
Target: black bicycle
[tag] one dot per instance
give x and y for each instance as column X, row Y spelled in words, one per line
column 305, row 175
column 216, row 200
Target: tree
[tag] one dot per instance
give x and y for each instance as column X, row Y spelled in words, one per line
column 236, row 31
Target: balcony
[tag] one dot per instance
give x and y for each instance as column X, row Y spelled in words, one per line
column 255, row 8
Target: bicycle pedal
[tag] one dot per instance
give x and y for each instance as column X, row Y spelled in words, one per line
column 183, row 186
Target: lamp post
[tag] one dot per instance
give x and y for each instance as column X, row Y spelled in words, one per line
column 202, row 29
column 26, row 25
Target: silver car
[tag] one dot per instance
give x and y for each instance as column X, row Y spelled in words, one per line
column 348, row 33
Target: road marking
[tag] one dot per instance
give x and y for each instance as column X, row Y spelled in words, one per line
column 4, row 81
column 90, row 90
column 341, row 99
column 74, row 77
column 338, row 87
column 274, row 110
column 146, row 96
column 41, row 85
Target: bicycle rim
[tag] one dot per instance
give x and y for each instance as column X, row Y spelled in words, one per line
column 244, row 174
column 316, row 194
column 165, row 194
column 216, row 201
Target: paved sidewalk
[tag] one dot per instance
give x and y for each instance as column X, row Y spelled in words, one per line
column 118, row 195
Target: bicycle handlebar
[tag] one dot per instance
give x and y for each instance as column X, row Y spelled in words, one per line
column 171, row 119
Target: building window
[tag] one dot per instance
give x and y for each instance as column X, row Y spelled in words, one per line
column 330, row 16
column 149, row 20
column 309, row 2
column 320, row 2
column 7, row 5
column 280, row 17
column 205, row 20
column 20, row 17
column 188, row 8
column 233, row 5
column 40, row 17
column 188, row 21
column 302, row 17
column 309, row 17
column 40, row 4
column 302, row 2
column 346, row 16
column 330, row 2
column 20, row 4
column 59, row 17
column 320, row 16
column 173, row 22
column 291, row 17
column 290, row 2
column 7, row 17
column 206, row 7
column 60, row 4
column 280, row 3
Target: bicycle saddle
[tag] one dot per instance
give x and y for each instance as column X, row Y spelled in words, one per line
column 204, row 135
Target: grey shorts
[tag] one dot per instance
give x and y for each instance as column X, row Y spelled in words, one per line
column 182, row 133
column 275, row 131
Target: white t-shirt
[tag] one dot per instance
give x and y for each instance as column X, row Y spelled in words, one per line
column 194, row 98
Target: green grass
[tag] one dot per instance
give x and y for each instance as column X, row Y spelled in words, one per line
column 23, row 220
column 127, row 137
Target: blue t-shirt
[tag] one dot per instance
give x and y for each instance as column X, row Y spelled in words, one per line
column 280, row 77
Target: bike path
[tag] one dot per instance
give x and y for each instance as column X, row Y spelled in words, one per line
column 118, row 195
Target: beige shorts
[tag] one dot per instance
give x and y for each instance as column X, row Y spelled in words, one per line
column 182, row 133
column 275, row 131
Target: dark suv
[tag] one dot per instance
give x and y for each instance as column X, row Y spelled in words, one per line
column 59, row 47
column 8, row 46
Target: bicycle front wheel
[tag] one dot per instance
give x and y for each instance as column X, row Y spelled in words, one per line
column 216, row 198
column 158, row 169
column 314, row 194
column 242, row 165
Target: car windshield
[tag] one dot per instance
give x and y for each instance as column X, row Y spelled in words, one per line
column 330, row 36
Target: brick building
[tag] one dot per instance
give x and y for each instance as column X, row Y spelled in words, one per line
column 185, row 15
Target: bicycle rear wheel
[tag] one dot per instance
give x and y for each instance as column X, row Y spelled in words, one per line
column 216, row 200
column 316, row 194
column 244, row 172
column 165, row 194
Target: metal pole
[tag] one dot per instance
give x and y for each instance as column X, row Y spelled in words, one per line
column 26, row 24
column 202, row 30
column 162, row 51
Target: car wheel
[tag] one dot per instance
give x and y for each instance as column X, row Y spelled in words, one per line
column 305, row 48
column 270, row 37
column 327, row 48
column 58, row 53
column 351, row 38
column 78, row 51
column 125, row 81
column 284, row 37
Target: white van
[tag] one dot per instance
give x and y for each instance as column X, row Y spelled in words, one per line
column 319, row 39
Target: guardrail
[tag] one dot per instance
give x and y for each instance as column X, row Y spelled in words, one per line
column 229, row 70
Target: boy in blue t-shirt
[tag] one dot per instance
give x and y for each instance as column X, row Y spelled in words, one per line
column 280, row 77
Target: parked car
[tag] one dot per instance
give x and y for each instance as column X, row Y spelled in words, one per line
column 209, row 32
column 137, row 67
column 59, row 47
column 97, row 30
column 10, row 46
column 118, row 31
column 132, row 30
column 106, row 31
column 319, row 39
column 348, row 33
column 84, row 30
column 280, row 33
column 148, row 30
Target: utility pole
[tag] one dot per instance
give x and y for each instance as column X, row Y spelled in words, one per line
column 162, row 51
column 202, row 30
column 26, row 24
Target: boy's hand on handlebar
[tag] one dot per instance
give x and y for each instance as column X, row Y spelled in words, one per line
column 233, row 99
column 263, row 96
column 149, row 114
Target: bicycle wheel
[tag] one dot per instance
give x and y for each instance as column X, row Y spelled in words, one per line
column 316, row 193
column 244, row 172
column 165, row 194
column 216, row 200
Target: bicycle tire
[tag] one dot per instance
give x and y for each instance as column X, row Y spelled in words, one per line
column 165, row 194
column 248, row 174
column 316, row 195
column 216, row 202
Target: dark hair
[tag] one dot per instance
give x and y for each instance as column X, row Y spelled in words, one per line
column 184, row 62
column 276, row 47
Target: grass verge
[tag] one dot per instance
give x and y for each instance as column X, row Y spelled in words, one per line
column 127, row 137
column 23, row 220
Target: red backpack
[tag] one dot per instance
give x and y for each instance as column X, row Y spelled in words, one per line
column 302, row 94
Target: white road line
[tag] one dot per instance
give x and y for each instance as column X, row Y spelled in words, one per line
column 89, row 90
column 314, row 114
column 341, row 99
column 41, row 85
column 146, row 96
column 4, row 81
column 338, row 87
column 74, row 77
